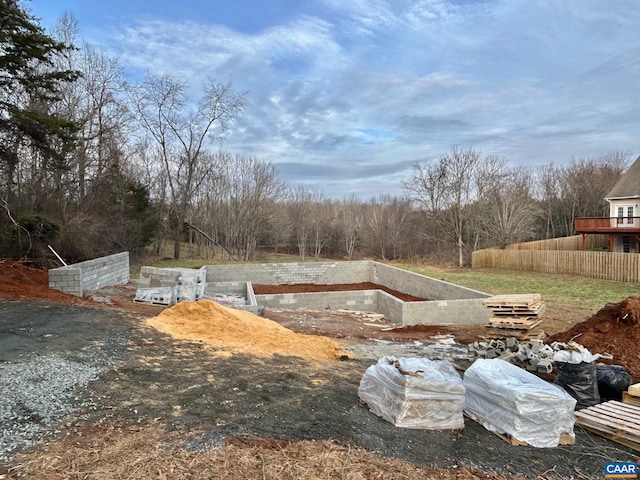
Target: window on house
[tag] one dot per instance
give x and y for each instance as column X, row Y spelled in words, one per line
column 625, row 215
column 626, row 244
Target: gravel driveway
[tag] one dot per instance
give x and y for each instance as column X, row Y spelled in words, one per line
column 64, row 366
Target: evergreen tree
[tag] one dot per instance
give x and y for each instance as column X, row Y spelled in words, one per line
column 29, row 85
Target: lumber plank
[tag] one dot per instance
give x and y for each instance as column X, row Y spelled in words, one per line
column 634, row 390
column 631, row 399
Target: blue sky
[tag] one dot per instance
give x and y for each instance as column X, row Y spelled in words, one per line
column 345, row 96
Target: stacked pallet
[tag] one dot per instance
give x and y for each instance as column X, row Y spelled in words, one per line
column 518, row 316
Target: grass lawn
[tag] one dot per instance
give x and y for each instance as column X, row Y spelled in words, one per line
column 568, row 299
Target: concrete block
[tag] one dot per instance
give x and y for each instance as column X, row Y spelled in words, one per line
column 512, row 342
column 545, row 366
column 536, row 344
column 508, row 356
column 522, row 354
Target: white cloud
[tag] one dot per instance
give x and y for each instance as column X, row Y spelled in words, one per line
column 390, row 82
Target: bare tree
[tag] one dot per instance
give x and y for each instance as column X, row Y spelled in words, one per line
column 386, row 219
column 94, row 103
column 508, row 211
column 351, row 219
column 585, row 183
column 239, row 201
column 303, row 214
column 180, row 131
column 549, row 191
column 445, row 188
column 322, row 226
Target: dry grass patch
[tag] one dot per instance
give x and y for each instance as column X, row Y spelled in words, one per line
column 106, row 453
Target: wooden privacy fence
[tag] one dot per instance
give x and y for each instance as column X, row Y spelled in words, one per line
column 622, row 267
column 563, row 243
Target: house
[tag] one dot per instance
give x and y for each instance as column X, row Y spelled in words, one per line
column 623, row 223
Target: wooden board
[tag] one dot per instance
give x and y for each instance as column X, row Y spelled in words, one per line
column 514, row 325
column 634, row 390
column 614, row 420
column 519, row 300
column 633, row 400
column 496, row 333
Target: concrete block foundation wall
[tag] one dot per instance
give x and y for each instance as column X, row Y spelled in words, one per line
column 363, row 300
column 419, row 285
column 243, row 289
column 323, row 273
column 91, row 275
column 448, row 303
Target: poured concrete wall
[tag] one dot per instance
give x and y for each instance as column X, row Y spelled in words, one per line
column 91, row 275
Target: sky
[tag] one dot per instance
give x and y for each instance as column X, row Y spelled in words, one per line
column 345, row 97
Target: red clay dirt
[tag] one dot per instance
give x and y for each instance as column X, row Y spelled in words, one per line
column 259, row 289
column 21, row 282
column 614, row 329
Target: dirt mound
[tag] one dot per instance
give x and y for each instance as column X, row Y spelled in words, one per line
column 613, row 329
column 18, row 281
column 240, row 331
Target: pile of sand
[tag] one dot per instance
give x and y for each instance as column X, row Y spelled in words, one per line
column 239, row 331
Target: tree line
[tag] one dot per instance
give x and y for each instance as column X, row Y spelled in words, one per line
column 92, row 164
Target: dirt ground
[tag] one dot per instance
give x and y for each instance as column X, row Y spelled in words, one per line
column 167, row 407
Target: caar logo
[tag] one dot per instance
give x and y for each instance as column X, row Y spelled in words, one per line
column 620, row 470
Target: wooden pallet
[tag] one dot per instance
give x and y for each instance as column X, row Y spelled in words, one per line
column 518, row 311
column 614, row 420
column 522, row 301
column 565, row 438
column 514, row 324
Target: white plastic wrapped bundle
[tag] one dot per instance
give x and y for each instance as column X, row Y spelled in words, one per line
column 414, row 393
column 508, row 399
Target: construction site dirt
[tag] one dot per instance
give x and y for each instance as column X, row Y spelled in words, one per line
column 204, row 395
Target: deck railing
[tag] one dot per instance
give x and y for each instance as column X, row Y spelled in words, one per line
column 587, row 224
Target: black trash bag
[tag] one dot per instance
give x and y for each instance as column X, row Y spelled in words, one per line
column 579, row 380
column 612, row 381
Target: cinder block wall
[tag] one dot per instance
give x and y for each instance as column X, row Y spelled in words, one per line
column 365, row 300
column 447, row 302
column 79, row 278
column 440, row 312
column 235, row 288
column 420, row 285
column 324, row 273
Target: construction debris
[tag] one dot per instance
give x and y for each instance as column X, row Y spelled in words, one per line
column 414, row 393
column 517, row 316
column 166, row 286
column 510, row 401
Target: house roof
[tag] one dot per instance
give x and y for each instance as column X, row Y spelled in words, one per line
column 629, row 184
